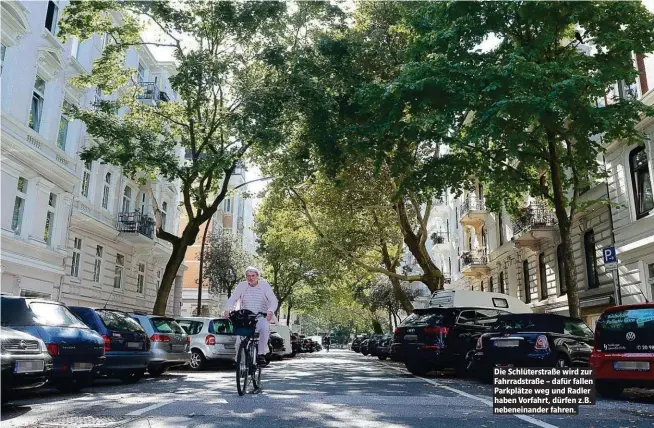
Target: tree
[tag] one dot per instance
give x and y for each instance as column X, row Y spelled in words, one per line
column 535, row 125
column 232, row 61
column 225, row 262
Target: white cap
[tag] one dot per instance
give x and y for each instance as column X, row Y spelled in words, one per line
column 252, row 269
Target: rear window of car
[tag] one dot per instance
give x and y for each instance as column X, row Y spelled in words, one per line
column 630, row 319
column 432, row 317
column 191, row 327
column 14, row 312
column 221, row 326
column 166, row 325
column 528, row 323
column 54, row 315
column 118, row 321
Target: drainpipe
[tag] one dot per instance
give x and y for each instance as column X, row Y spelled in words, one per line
column 616, row 272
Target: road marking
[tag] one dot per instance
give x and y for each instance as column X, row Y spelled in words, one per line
column 147, row 409
column 474, row 397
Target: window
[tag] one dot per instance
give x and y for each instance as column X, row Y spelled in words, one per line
column 164, row 215
column 105, row 191
column 577, row 328
column 77, row 255
column 143, row 204
column 3, row 50
column 228, row 206
column 500, row 228
column 502, row 282
column 456, row 215
column 36, row 110
column 127, row 199
column 86, row 179
column 74, row 48
column 49, row 219
column 490, row 284
column 35, row 294
column 105, row 40
column 542, row 270
column 51, row 17
column 19, row 205
column 141, row 74
column 140, row 281
column 118, row 272
column 591, row 259
column 560, row 261
column 97, row 98
column 482, row 285
column 486, row 317
column 525, row 276
column 63, row 126
column 466, row 318
column 158, row 279
column 97, row 266
column 641, row 182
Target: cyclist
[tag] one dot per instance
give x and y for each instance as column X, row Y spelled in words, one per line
column 255, row 295
column 327, row 340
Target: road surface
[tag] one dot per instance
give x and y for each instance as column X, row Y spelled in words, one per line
column 336, row 389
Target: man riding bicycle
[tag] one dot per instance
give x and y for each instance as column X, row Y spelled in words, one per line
column 255, row 295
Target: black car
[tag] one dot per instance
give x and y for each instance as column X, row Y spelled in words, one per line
column 373, row 344
column 25, row 362
column 356, row 344
column 275, row 344
column 77, row 351
column 439, row 338
column 126, row 345
column 533, row 340
column 364, row 347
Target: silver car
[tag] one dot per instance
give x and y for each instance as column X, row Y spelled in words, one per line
column 169, row 344
column 212, row 339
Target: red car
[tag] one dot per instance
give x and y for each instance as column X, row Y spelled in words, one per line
column 623, row 356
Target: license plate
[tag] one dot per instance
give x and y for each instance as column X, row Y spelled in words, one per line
column 82, row 367
column 507, row 343
column 230, row 346
column 411, row 337
column 29, row 366
column 135, row 345
column 639, row 366
column 178, row 348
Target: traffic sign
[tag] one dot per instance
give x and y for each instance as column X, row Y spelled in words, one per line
column 609, row 255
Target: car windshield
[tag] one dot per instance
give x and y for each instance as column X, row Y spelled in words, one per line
column 221, row 326
column 432, row 317
column 118, row 321
column 55, row 315
column 527, row 323
column 166, row 325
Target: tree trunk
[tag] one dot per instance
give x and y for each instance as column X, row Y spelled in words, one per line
column 200, row 274
column 390, row 320
column 432, row 276
column 174, row 262
column 288, row 315
column 376, row 327
column 564, row 227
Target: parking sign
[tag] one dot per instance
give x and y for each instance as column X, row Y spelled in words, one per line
column 610, row 260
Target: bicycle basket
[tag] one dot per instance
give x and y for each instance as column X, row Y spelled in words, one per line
column 244, row 322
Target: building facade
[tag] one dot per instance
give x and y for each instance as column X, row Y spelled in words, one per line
column 73, row 231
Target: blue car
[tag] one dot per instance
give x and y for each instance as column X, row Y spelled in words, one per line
column 77, row 351
column 126, row 345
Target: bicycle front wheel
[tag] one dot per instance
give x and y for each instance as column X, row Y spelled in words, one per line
column 256, row 370
column 242, row 365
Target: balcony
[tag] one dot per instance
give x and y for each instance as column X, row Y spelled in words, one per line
column 475, row 264
column 137, row 228
column 151, row 92
column 533, row 226
column 473, row 213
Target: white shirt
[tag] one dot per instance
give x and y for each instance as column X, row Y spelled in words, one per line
column 254, row 299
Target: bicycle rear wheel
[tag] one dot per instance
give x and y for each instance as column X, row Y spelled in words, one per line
column 242, row 367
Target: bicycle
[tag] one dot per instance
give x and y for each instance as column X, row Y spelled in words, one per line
column 245, row 323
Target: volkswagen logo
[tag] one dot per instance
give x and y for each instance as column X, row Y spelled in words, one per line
column 631, row 336
column 23, row 344
column 410, row 330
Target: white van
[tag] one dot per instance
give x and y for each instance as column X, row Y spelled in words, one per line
column 478, row 299
column 285, row 333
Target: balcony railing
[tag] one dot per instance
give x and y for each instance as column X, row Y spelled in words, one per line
column 136, row 223
column 151, row 92
column 474, row 258
column 440, row 237
column 472, row 204
column 535, row 215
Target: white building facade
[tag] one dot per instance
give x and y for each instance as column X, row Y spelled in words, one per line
column 81, row 233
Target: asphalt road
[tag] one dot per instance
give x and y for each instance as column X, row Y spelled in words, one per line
column 336, row 389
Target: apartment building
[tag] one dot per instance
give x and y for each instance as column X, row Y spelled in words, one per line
column 235, row 215
column 78, row 232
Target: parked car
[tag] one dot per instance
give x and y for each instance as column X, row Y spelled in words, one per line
column 170, row 346
column 438, row 338
column 308, row 345
column 373, row 344
column 533, row 340
column 126, row 345
column 623, row 356
column 285, row 333
column 384, row 346
column 77, row 351
column 212, row 340
column 295, row 344
column 478, row 299
column 356, row 344
column 364, row 347
column 25, row 362
column 275, row 345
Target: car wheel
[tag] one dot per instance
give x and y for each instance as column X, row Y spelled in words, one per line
column 562, row 362
column 197, row 361
column 132, row 377
column 293, row 354
column 381, row 357
column 156, row 371
column 416, row 368
column 608, row 389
